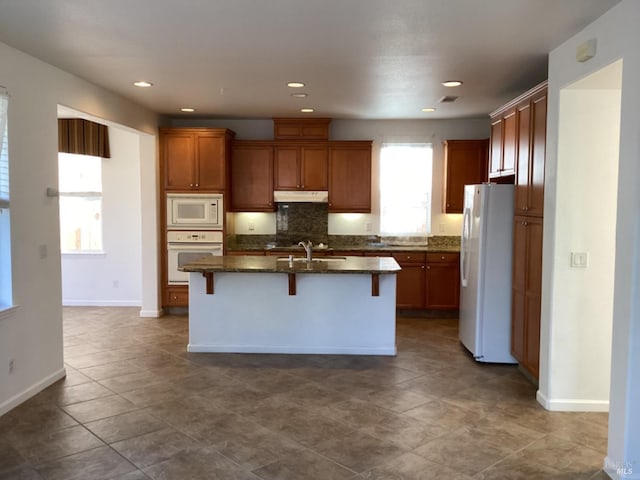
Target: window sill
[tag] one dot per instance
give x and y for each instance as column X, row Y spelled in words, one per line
column 84, row 253
column 7, row 311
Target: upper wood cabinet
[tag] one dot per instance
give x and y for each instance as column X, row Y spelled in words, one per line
column 301, row 128
column 195, row 159
column 465, row 163
column 532, row 131
column 350, row 177
column 252, row 177
column 503, row 143
column 301, row 167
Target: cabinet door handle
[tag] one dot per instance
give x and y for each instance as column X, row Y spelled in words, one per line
column 441, row 258
column 448, row 205
column 428, row 267
column 524, row 224
column 422, row 267
column 191, row 184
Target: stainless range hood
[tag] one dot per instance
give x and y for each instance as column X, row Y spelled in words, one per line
column 291, row 196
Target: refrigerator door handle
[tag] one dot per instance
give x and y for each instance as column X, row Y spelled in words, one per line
column 466, row 231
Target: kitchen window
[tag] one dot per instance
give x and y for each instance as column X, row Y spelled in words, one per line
column 405, row 188
column 80, row 186
column 6, row 296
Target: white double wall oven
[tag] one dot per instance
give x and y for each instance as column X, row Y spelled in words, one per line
column 194, row 230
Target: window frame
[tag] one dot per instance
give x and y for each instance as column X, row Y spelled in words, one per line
column 88, row 194
column 405, row 175
column 6, row 260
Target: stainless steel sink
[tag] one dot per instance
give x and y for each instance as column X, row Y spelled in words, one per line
column 315, row 260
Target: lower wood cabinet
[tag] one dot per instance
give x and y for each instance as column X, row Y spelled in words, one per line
column 176, row 296
column 428, row 281
column 411, row 280
column 526, row 292
column 443, row 281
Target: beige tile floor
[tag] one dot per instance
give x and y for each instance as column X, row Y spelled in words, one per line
column 135, row 405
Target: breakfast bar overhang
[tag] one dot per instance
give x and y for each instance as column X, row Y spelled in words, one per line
column 331, row 305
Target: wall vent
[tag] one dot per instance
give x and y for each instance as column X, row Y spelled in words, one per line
column 448, row 99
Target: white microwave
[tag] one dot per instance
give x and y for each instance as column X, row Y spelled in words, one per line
column 195, row 211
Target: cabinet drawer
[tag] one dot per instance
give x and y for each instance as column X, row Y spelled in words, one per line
column 178, row 297
column 409, row 257
column 442, row 257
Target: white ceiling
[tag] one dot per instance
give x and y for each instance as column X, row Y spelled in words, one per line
column 379, row 59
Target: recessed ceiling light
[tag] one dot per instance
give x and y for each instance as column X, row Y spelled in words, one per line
column 295, row 84
column 143, row 84
column 299, row 95
column 429, row 109
column 187, row 109
column 306, row 110
column 452, row 83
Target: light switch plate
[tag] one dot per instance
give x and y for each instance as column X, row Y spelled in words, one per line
column 579, row 259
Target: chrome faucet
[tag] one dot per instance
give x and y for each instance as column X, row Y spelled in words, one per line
column 308, row 247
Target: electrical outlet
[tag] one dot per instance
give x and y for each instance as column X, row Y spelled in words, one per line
column 12, row 364
column 116, row 284
column 42, row 251
column 367, row 226
column 252, row 227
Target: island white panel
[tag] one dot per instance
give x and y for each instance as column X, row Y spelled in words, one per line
column 330, row 314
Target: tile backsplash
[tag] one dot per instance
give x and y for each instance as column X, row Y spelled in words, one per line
column 297, row 222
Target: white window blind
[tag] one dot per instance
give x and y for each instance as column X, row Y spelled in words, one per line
column 405, row 188
column 4, row 150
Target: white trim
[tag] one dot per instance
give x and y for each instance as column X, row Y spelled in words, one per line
column 572, row 405
column 16, row 400
column 7, row 312
column 100, row 303
column 151, row 313
column 78, row 253
column 202, row 348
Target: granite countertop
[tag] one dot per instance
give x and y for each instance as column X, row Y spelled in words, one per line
column 273, row 264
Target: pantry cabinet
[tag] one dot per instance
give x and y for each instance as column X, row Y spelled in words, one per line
column 301, row 167
column 195, row 159
column 350, row 177
column 252, row 177
column 530, row 120
column 532, row 131
column 465, row 163
column 526, row 289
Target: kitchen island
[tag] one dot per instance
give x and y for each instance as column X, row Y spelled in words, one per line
column 256, row 304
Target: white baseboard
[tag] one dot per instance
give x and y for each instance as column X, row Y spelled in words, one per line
column 100, row 303
column 151, row 313
column 16, row 400
column 572, row 405
column 306, row 350
column 620, row 470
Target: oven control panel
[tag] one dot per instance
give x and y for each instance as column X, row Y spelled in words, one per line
column 196, row 236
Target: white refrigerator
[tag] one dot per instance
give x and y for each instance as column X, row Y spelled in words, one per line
column 485, row 272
